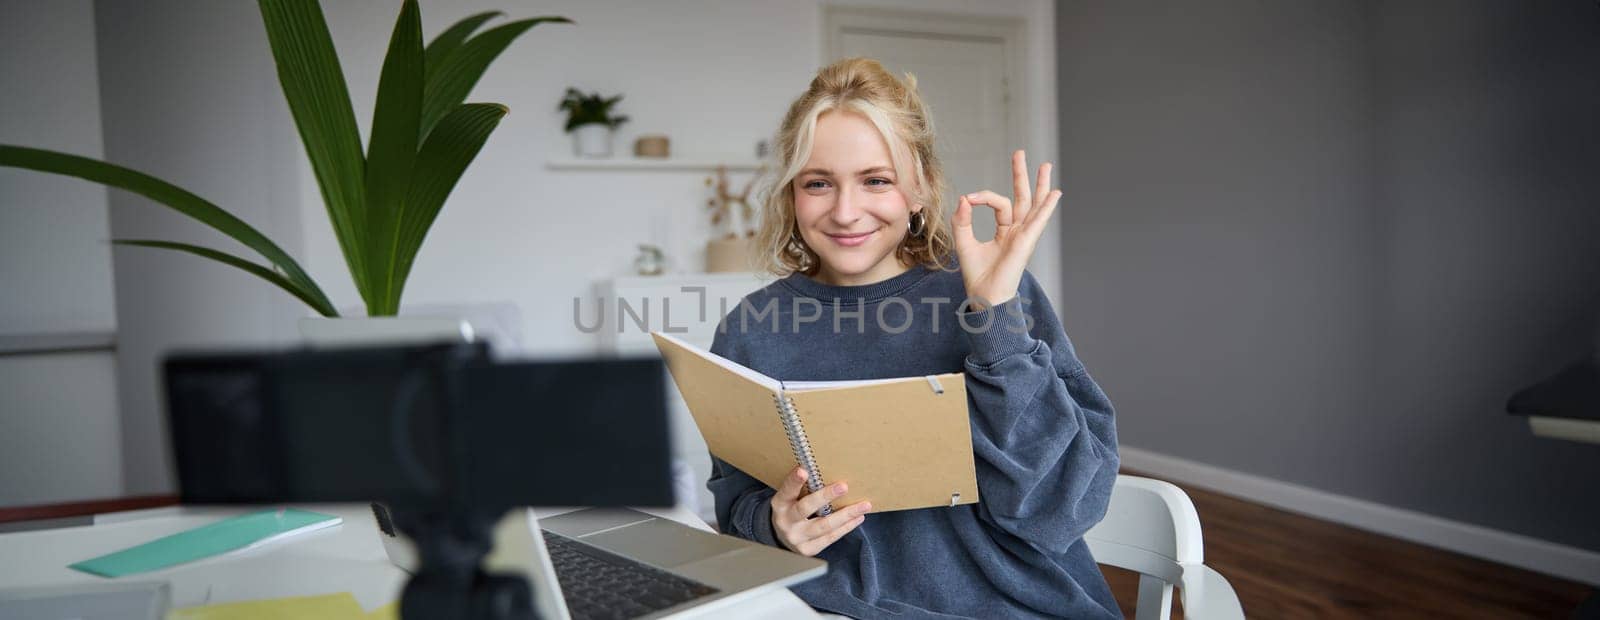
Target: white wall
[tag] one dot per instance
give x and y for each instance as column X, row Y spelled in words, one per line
column 190, row 96
column 53, row 230
column 715, row 76
column 59, row 433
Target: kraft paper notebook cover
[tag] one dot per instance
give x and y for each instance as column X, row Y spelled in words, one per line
column 900, row 443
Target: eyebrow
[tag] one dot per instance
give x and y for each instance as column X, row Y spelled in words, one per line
column 828, row 173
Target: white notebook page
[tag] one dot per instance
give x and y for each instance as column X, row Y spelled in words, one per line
column 796, row 386
column 740, row 369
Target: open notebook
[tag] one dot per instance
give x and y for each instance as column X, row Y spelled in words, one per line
column 900, row 443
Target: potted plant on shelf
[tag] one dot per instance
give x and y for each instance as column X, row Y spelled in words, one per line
column 591, row 123
column 381, row 202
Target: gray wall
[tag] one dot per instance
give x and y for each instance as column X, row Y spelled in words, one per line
column 1323, row 242
column 59, row 432
column 185, row 100
column 1489, row 144
column 52, row 229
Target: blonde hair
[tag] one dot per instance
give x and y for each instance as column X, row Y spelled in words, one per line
column 859, row 85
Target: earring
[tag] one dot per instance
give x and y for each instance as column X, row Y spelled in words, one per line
column 798, row 250
column 917, row 224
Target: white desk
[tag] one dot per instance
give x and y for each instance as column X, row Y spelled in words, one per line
column 346, row 558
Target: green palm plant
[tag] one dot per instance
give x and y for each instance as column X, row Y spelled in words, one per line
column 381, row 202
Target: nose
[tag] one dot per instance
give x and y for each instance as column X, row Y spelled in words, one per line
column 844, row 212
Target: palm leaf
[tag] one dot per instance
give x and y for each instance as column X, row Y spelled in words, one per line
column 448, row 41
column 460, row 71
column 392, row 150
column 277, row 279
column 382, row 202
column 174, row 197
column 313, row 84
column 443, row 158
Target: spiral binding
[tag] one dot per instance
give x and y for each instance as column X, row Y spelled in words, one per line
column 801, row 446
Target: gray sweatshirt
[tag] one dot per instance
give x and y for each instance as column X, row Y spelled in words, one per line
column 1042, row 430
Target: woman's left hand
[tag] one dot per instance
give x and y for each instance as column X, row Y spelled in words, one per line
column 992, row 270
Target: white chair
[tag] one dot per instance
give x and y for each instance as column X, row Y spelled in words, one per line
column 1151, row 528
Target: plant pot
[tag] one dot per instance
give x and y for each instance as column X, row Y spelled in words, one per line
column 383, row 330
column 728, row 255
column 592, row 141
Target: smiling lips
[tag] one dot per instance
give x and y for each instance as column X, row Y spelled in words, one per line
column 852, row 240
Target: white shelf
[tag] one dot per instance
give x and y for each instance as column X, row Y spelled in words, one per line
column 691, row 279
column 706, row 164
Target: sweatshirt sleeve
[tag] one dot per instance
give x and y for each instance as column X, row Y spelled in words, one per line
column 1043, row 432
column 743, row 507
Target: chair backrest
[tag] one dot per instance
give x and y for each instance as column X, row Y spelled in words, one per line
column 1150, row 528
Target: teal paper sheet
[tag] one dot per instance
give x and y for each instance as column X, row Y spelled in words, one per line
column 206, row 541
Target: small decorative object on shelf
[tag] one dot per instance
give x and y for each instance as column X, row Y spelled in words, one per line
column 591, row 123
column 653, row 145
column 730, row 250
column 650, row 261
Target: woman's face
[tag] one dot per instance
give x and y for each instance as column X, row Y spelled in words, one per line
column 848, row 203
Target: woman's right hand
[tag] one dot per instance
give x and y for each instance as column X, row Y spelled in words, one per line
column 792, row 508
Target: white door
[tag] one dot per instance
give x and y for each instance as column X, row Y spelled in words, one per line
column 964, row 81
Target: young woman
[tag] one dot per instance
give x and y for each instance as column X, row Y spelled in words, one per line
column 869, row 289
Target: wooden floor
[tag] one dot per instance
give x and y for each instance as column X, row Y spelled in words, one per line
column 1284, row 565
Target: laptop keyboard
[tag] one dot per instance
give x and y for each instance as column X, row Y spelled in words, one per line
column 604, row 586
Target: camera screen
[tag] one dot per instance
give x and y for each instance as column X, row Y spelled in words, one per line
column 421, row 424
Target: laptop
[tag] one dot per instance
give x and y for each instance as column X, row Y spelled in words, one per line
column 623, row 563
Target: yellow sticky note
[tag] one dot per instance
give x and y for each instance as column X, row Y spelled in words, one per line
column 341, row 606
column 386, row 612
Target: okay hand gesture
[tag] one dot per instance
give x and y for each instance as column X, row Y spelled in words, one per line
column 992, row 270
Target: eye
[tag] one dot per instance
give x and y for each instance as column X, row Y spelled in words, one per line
column 879, row 181
column 815, row 184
